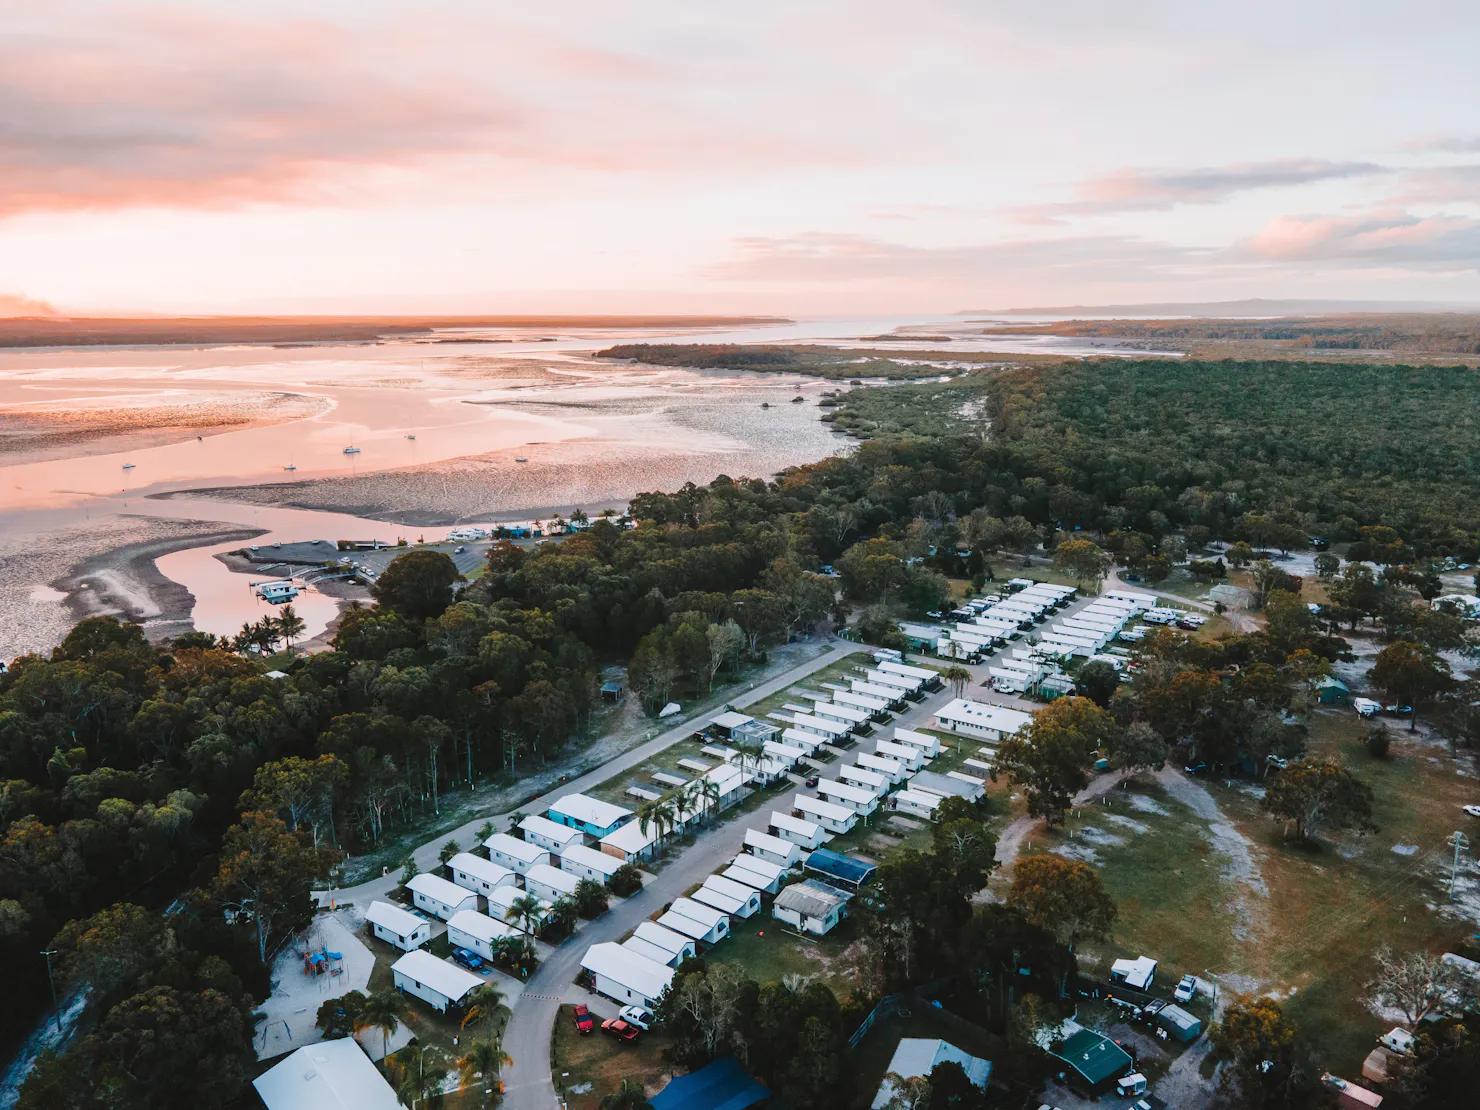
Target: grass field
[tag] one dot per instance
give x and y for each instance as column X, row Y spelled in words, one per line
column 1307, row 925
column 586, row 1067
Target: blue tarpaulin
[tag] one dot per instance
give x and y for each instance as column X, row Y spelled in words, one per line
column 722, row 1085
column 845, row 869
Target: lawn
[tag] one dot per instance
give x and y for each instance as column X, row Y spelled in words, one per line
column 1310, row 937
column 1331, row 906
column 586, row 1067
column 767, row 952
column 1173, row 902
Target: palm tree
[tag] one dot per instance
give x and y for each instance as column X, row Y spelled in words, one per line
column 751, row 757
column 683, row 805
column 485, row 1058
column 483, row 1004
column 290, row 625
column 658, row 812
column 629, row 1096
column 706, row 796
column 958, row 676
column 383, row 1010
column 420, row 1078
column 526, row 911
column 563, row 914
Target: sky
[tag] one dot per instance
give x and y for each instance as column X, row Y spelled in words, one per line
column 799, row 157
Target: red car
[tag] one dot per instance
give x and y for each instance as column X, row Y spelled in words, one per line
column 584, row 1021
column 623, row 1030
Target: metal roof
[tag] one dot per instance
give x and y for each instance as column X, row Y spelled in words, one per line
column 827, row 862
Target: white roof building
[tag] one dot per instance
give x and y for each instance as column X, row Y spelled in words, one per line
column 1136, row 974
column 592, row 813
column 716, row 922
column 849, row 797
column 330, row 1075
column 624, row 976
column 833, row 818
column 629, row 843
column 874, row 782
column 503, row 898
column 476, row 873
column 550, row 835
column 913, row 758
column 728, row 897
column 772, row 848
column 811, row 906
column 675, row 944
column 588, row 863
column 928, row 744
column 437, row 982
column 477, row 931
column 917, row 1057
column 516, row 855
column 892, row 769
column 399, row 927
column 975, row 718
column 752, row 871
column 549, row 883
column 437, row 896
column 808, row 834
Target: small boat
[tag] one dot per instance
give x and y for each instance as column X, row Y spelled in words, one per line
column 128, row 466
column 290, row 466
column 520, row 458
column 765, row 404
column 351, row 450
column 410, row 437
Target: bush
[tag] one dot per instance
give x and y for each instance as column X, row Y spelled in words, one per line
column 625, row 881
column 591, row 900
column 1379, row 741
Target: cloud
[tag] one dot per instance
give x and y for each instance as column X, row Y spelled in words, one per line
column 1397, row 241
column 195, row 109
column 1438, row 185
column 12, row 305
column 823, row 257
column 1141, row 190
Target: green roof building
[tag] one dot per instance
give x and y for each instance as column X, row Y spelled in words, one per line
column 1332, row 691
column 1094, row 1061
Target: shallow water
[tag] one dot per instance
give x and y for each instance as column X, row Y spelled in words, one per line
column 594, row 433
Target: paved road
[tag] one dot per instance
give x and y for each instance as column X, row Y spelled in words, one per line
column 427, row 855
column 528, row 1084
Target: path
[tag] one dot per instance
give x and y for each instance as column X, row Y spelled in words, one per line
column 427, row 855
column 1242, row 622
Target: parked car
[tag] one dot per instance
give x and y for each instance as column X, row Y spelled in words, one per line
column 1279, row 763
column 639, row 1016
column 620, row 1029
column 1196, row 769
column 1185, row 989
column 1398, row 710
column 811, row 782
column 470, row 960
column 584, row 1021
column 1473, row 811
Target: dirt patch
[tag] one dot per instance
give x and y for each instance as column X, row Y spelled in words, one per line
column 1145, row 804
column 1239, row 867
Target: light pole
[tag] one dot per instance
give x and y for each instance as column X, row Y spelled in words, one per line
column 51, row 981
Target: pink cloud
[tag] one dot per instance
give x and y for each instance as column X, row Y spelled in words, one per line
column 181, row 108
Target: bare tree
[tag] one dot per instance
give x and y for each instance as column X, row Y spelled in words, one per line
column 1417, row 983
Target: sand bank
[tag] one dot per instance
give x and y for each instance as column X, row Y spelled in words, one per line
column 49, row 582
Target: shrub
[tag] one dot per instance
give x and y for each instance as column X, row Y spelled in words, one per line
column 625, row 881
column 1379, row 741
column 591, row 899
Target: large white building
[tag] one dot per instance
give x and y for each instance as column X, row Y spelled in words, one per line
column 330, row 1075
column 980, row 720
column 550, row 883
